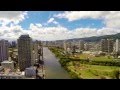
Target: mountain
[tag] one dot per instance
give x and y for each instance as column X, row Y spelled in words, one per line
column 96, row 38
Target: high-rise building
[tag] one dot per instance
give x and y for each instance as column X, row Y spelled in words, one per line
column 117, row 46
column 86, row 46
column 107, row 45
column 104, row 45
column 13, row 44
column 65, row 45
column 25, row 48
column 110, row 45
column 3, row 50
column 35, row 51
column 81, row 45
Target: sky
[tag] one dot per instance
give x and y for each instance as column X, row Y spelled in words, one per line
column 58, row 25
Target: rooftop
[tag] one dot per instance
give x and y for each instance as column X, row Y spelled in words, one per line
column 6, row 61
column 8, row 72
column 24, row 36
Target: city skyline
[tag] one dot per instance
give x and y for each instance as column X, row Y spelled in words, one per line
column 27, row 61
column 58, row 25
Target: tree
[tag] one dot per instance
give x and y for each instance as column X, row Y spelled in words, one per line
column 116, row 74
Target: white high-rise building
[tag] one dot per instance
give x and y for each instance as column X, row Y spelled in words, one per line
column 25, row 52
column 107, row 45
column 117, row 45
column 3, row 50
column 64, row 45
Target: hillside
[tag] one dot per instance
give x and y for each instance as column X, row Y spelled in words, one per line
column 97, row 38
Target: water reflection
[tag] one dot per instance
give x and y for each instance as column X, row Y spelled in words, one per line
column 53, row 67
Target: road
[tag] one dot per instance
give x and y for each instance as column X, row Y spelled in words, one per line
column 53, row 67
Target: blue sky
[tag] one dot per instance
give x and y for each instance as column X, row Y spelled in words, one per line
column 43, row 16
column 58, row 25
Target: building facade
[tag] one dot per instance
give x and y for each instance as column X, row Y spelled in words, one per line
column 81, row 45
column 86, row 46
column 13, row 44
column 3, row 50
column 110, row 45
column 65, row 45
column 35, row 51
column 106, row 45
column 25, row 50
column 8, row 65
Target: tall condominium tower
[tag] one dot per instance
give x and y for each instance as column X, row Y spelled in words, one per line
column 81, row 45
column 86, row 46
column 110, row 45
column 103, row 45
column 117, row 46
column 25, row 48
column 13, row 44
column 35, row 51
column 3, row 50
column 107, row 45
column 65, row 45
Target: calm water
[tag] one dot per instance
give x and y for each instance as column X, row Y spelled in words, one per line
column 53, row 67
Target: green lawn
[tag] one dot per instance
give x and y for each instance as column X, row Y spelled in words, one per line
column 100, row 58
column 92, row 71
column 103, row 58
column 87, row 71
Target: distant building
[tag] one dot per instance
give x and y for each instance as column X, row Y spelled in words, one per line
column 13, row 44
column 81, row 45
column 97, row 47
column 86, row 46
column 110, row 45
column 3, row 50
column 117, row 46
column 106, row 45
column 25, row 49
column 65, row 45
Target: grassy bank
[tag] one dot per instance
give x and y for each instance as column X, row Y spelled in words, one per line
column 87, row 69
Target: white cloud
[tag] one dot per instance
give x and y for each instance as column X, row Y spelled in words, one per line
column 75, row 15
column 52, row 20
column 35, row 26
column 52, row 33
column 39, row 25
column 59, row 33
column 110, row 18
column 11, row 33
column 15, row 17
column 37, row 31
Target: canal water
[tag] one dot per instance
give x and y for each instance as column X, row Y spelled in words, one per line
column 53, row 67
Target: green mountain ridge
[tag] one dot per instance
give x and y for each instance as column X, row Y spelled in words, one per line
column 97, row 38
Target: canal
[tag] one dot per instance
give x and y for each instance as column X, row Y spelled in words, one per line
column 53, row 67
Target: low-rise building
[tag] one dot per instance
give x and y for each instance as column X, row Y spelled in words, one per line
column 30, row 72
column 8, row 74
column 8, row 64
